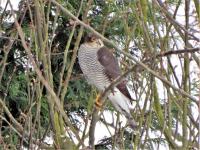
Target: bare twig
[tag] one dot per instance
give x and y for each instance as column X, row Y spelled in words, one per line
column 180, row 51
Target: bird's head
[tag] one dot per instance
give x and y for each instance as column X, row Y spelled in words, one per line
column 93, row 41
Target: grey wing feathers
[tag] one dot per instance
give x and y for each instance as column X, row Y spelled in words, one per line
column 111, row 68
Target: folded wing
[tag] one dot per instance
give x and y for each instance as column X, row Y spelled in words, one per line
column 112, row 69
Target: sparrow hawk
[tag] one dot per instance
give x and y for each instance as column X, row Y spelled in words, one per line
column 100, row 68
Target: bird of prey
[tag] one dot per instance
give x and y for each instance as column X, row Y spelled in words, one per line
column 100, row 68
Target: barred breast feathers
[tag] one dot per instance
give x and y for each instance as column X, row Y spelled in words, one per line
column 91, row 68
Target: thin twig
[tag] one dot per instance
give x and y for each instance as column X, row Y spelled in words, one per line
column 180, row 51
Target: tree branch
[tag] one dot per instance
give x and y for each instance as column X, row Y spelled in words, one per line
column 171, row 52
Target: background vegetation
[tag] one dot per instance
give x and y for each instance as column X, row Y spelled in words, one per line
column 44, row 94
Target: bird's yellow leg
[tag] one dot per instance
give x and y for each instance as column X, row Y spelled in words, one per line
column 98, row 103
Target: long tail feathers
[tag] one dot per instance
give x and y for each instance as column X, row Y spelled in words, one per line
column 121, row 103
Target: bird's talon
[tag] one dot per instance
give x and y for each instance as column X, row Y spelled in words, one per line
column 98, row 103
